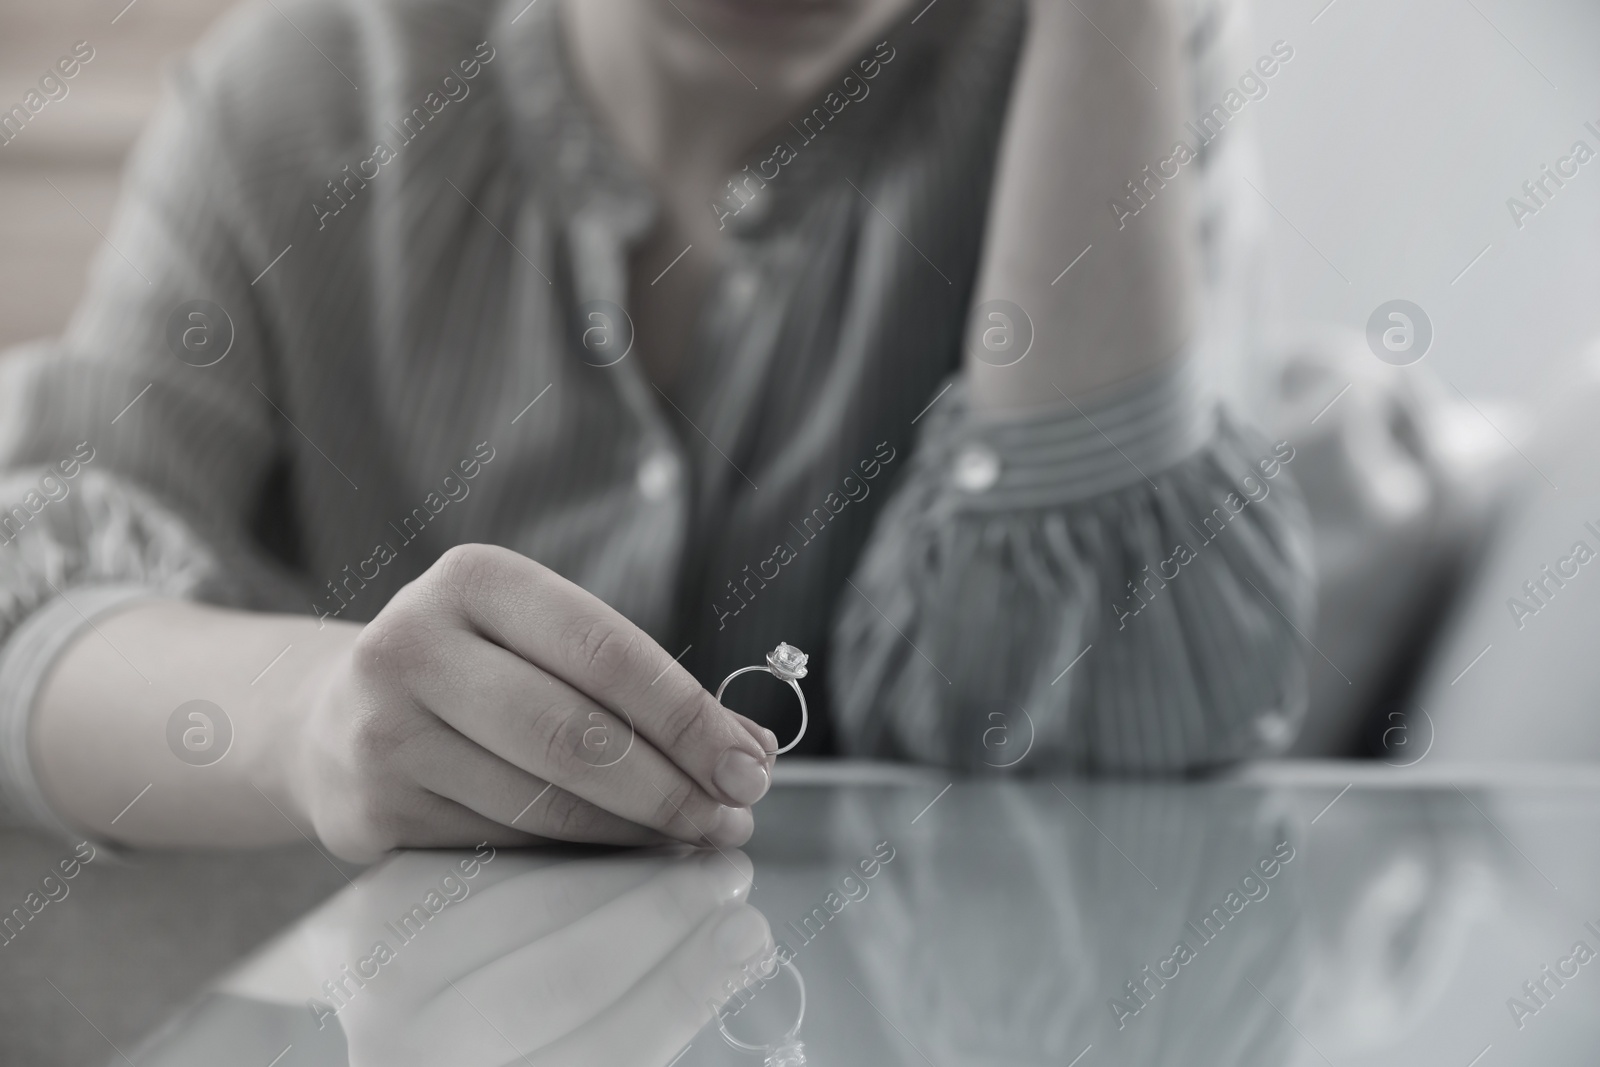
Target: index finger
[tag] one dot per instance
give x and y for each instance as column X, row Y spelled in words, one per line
column 561, row 628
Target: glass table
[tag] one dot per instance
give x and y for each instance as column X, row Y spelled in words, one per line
column 1293, row 914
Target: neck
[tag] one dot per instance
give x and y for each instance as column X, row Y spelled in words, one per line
column 681, row 102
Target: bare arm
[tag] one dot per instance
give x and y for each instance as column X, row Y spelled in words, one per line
column 1083, row 122
column 491, row 700
column 100, row 726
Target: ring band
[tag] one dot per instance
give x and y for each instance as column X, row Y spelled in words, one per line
column 787, row 664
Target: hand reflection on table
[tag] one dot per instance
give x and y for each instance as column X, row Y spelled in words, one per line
column 593, row 959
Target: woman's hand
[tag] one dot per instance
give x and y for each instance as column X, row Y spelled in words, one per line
column 492, row 700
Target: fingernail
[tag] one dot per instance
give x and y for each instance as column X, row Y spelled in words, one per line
column 742, row 778
column 741, row 935
column 733, row 826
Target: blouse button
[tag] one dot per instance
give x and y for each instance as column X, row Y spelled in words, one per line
column 658, row 476
column 976, row 469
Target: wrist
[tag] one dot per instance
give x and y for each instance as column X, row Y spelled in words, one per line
column 290, row 710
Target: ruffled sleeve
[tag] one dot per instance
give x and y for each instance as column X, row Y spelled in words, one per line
column 1119, row 584
column 130, row 464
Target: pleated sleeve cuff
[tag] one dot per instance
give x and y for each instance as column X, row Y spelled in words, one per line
column 1121, row 586
column 1073, row 449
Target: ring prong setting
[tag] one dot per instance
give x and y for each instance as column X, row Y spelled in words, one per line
column 787, row 662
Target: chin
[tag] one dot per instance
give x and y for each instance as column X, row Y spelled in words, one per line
column 764, row 25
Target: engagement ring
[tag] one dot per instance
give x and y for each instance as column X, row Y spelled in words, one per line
column 787, row 664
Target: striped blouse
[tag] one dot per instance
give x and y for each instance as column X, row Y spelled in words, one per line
column 363, row 301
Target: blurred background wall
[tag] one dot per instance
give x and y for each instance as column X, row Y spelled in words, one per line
column 76, row 144
column 1392, row 144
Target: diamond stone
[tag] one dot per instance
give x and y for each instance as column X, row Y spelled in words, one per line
column 787, row 661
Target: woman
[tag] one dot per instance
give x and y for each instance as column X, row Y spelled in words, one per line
column 358, row 352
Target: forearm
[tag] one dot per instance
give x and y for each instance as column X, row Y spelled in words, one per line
column 101, row 724
column 1084, row 121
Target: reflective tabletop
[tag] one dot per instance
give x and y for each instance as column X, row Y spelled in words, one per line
column 1305, row 917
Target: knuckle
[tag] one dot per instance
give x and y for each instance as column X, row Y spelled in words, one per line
column 573, row 742
column 367, row 739
column 687, row 720
column 674, row 806
column 392, row 641
column 465, row 569
column 562, row 733
column 373, row 738
column 604, row 647
column 569, row 816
